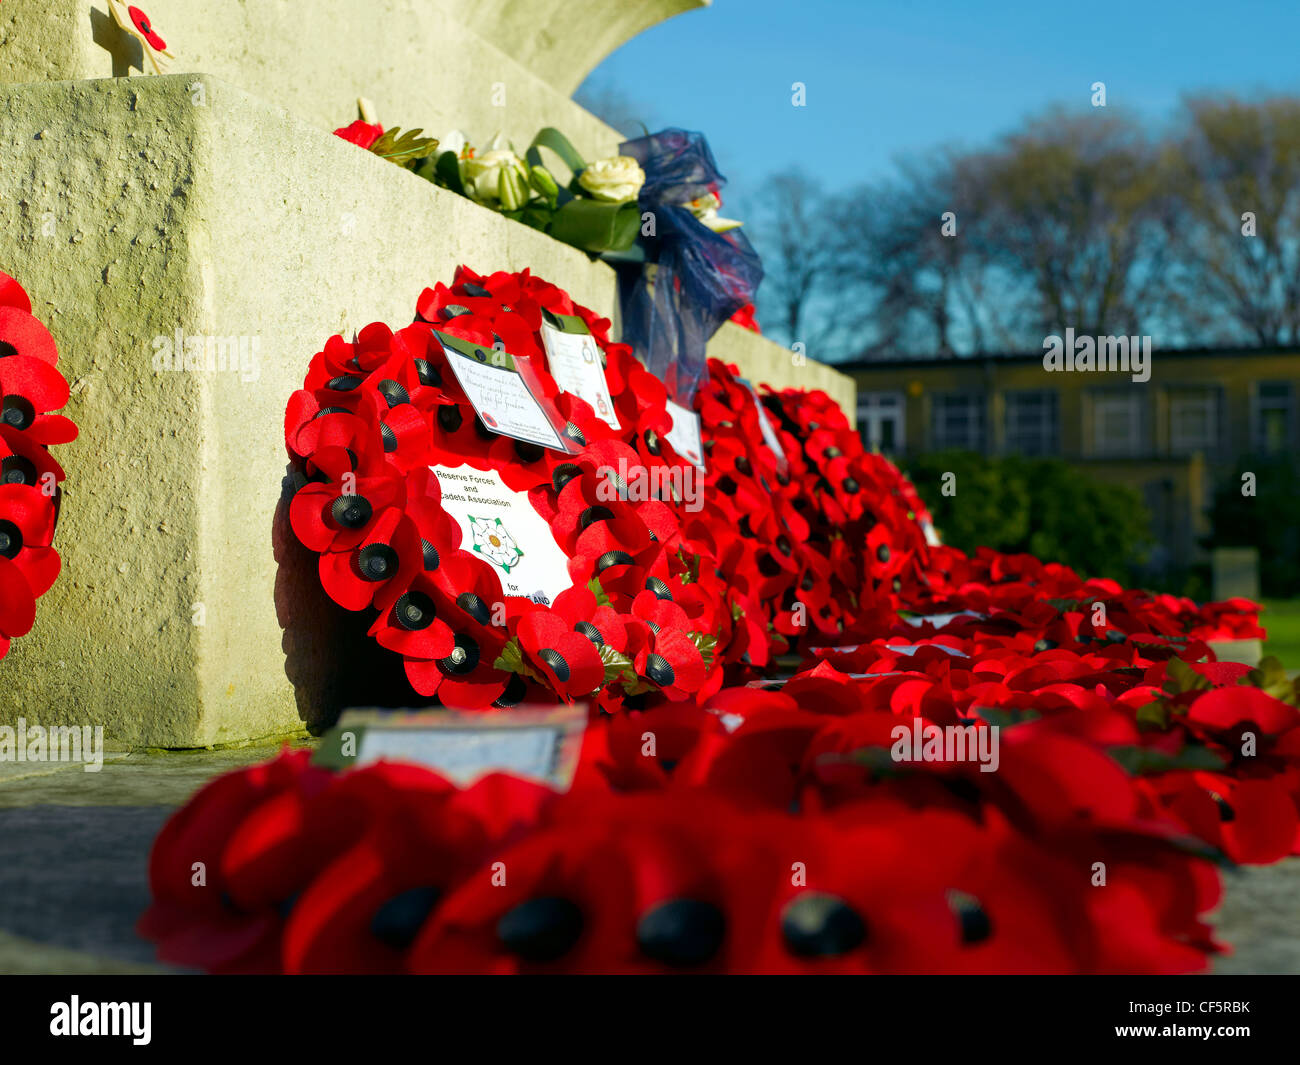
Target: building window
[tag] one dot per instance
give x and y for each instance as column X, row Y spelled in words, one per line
column 1271, row 417
column 957, row 421
column 880, row 420
column 1193, row 419
column 1032, row 423
column 1116, row 423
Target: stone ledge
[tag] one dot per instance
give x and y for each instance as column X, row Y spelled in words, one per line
column 130, row 210
column 418, row 63
column 563, row 41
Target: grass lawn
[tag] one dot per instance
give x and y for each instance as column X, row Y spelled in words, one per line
column 1281, row 618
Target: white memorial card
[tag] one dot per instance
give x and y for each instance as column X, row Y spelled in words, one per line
column 503, row 529
column 575, row 363
column 685, row 435
column 500, row 395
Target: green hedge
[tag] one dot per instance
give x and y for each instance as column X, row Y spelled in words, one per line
column 1042, row 506
column 1268, row 520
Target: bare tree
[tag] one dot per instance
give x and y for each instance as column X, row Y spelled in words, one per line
column 1237, row 172
column 800, row 300
column 1079, row 205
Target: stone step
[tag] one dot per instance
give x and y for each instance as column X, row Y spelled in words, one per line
column 133, row 208
column 420, row 64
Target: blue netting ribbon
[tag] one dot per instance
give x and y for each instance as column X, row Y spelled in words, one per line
column 692, row 279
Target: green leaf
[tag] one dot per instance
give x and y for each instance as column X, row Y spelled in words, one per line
column 1183, row 678
column 877, row 759
column 1141, row 760
column 1270, row 678
column 511, row 660
column 618, row 667
column 557, row 142
column 447, row 171
column 594, row 587
column 536, row 215
column 1004, row 717
column 706, row 643
column 404, row 149
column 597, row 227
column 1155, row 715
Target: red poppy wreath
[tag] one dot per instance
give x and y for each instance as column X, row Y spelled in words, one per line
column 32, row 389
column 384, row 424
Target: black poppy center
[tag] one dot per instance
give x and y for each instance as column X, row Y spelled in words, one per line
column 398, row 921
column 973, row 920
column 594, row 514
column 563, row 474
column 819, row 925
column 613, row 558
column 659, row 670
column 474, row 606
column 527, row 452
column 377, row 562
column 351, row 512
column 681, row 932
column 541, row 929
column 450, row 418
column 427, row 374
column 394, row 393
column 414, row 611
column 17, row 470
column 463, row 658
column 18, row 412
column 556, row 661
column 661, row 590
column 11, row 539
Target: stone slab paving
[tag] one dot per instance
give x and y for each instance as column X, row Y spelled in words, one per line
column 74, row 848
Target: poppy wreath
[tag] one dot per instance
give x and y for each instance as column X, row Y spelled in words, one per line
column 375, row 413
column 32, row 388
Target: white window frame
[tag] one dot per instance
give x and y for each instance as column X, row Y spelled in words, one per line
column 1105, row 403
column 874, row 408
column 977, row 421
column 1206, row 396
column 1258, row 405
column 1050, row 439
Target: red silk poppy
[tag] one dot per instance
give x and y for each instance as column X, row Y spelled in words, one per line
column 142, row 23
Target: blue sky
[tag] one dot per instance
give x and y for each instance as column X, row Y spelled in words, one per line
column 902, row 76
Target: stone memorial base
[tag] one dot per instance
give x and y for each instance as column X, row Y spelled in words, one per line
column 145, row 213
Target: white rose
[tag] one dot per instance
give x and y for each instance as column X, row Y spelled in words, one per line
column 482, row 173
column 616, row 180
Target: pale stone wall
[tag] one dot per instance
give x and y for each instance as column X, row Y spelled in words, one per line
column 562, row 41
column 415, row 61
column 131, row 208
